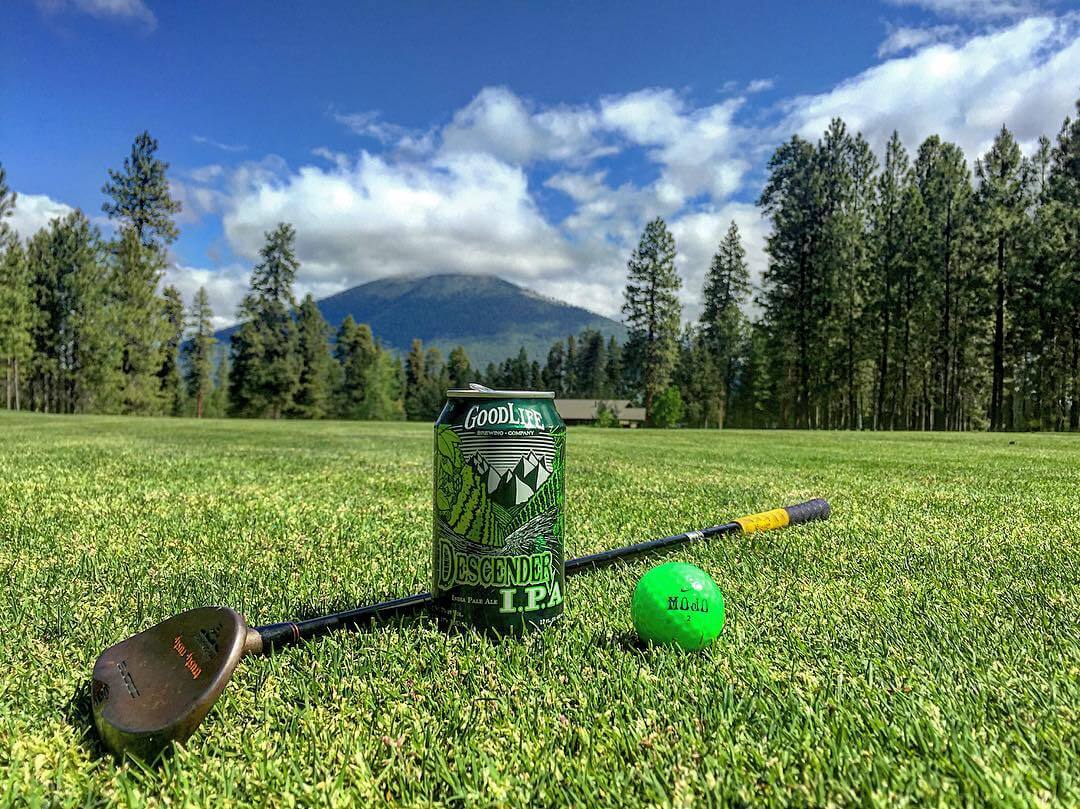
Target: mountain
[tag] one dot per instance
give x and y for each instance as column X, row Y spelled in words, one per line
column 490, row 317
column 517, row 485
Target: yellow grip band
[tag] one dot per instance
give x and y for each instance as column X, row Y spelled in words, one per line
column 765, row 521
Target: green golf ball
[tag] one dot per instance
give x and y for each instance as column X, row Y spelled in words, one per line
column 678, row 604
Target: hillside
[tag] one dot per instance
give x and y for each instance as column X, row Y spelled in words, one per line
column 490, row 317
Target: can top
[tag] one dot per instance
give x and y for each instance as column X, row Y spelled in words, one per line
column 476, row 391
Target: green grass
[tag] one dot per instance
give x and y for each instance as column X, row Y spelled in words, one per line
column 921, row 647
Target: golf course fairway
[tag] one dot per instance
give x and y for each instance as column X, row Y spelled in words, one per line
column 921, row 645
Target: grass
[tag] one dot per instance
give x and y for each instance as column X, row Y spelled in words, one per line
column 921, row 647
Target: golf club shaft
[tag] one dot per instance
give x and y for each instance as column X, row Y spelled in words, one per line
column 276, row 635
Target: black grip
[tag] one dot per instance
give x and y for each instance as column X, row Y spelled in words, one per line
column 816, row 509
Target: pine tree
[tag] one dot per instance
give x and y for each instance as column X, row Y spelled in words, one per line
column 16, row 312
column 142, row 330
column 652, row 312
column 312, row 399
column 796, row 293
column 892, row 185
column 8, row 198
column 246, row 389
column 416, row 383
column 436, row 382
column 383, row 390
column 15, row 301
column 1003, row 179
column 614, row 369
column 1061, row 220
column 458, row 368
column 753, row 402
column 570, row 365
column 265, row 361
column 553, row 369
column 939, row 235
column 723, row 325
column 140, row 196
column 74, row 335
column 697, row 380
column 355, row 352
column 199, row 352
column 143, row 208
column 854, row 224
column 218, row 405
column 169, row 373
column 520, row 371
column 591, row 371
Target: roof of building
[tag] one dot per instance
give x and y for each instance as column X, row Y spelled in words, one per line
column 585, row 409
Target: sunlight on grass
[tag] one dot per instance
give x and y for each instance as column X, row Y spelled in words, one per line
column 922, row 645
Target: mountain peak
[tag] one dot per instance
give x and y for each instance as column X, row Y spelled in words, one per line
column 490, row 317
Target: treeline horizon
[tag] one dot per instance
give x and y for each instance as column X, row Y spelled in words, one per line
column 915, row 294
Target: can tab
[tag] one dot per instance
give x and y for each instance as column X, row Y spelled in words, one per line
column 480, row 388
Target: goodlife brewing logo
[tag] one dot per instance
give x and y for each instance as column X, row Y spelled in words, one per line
column 503, row 414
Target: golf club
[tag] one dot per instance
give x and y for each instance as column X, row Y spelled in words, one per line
column 155, row 688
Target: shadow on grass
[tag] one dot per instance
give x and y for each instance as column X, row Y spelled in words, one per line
column 627, row 642
column 78, row 712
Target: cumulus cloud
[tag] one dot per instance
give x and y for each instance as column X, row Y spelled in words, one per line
column 134, row 10
column 499, row 123
column 460, row 213
column 35, row 211
column 1023, row 75
column 699, row 149
column 527, row 191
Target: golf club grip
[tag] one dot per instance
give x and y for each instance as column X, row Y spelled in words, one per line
column 284, row 634
column 816, row 509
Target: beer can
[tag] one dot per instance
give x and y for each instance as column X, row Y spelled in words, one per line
column 499, row 490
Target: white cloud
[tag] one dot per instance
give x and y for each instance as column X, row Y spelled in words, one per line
column 973, row 9
column 195, row 201
column 460, row 213
column 469, row 196
column 339, row 159
column 903, row 39
column 208, row 173
column 1023, row 76
column 135, row 10
column 225, row 287
column 35, row 211
column 760, row 85
column 697, row 237
column 370, row 124
column 499, row 123
column 225, row 147
column 700, row 150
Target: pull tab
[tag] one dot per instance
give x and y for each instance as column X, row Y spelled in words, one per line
column 476, row 386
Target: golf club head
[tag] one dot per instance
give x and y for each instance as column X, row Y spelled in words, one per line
column 154, row 688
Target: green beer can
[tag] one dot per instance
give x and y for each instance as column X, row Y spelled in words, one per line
column 497, row 550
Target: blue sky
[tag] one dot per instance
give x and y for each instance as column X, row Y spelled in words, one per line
column 531, row 141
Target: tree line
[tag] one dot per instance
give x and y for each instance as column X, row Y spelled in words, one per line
column 913, row 294
column 916, row 294
column 86, row 327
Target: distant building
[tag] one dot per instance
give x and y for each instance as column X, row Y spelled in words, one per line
column 585, row 411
